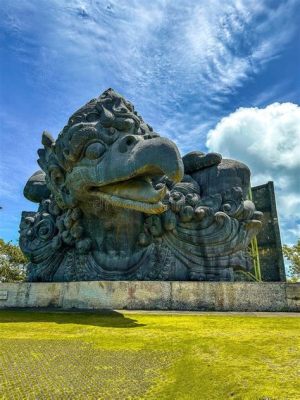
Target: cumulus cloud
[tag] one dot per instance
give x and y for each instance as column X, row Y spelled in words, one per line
column 268, row 141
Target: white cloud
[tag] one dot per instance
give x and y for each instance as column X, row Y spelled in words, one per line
column 234, row 41
column 159, row 53
column 268, row 141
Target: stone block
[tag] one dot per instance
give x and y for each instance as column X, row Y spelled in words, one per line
column 293, row 296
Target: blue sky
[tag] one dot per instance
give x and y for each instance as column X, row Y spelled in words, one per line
column 211, row 75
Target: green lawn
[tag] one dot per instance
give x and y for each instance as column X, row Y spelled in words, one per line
column 61, row 355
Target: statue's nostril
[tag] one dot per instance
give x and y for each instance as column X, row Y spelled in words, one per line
column 126, row 143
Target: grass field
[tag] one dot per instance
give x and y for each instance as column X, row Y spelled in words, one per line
column 61, row 355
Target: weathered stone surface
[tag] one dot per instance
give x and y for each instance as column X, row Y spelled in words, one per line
column 293, row 296
column 268, row 239
column 36, row 189
column 154, row 295
column 223, row 176
column 224, row 296
column 117, row 202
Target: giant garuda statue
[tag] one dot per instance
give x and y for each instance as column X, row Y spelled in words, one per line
column 117, row 202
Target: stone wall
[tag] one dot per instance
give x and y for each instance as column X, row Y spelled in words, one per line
column 154, row 295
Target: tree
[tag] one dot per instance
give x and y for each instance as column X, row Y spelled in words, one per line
column 12, row 262
column 292, row 254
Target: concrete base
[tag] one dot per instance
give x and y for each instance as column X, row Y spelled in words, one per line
column 154, row 295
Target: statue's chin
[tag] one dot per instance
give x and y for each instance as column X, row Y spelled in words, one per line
column 136, row 194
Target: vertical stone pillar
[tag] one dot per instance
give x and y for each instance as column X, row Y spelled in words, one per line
column 268, row 239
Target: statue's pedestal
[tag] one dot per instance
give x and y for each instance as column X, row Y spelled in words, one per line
column 154, row 295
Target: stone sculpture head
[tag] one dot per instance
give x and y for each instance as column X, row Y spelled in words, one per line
column 107, row 154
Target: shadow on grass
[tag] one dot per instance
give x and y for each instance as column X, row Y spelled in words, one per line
column 104, row 318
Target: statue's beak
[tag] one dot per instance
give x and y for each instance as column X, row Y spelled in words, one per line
column 157, row 156
column 124, row 176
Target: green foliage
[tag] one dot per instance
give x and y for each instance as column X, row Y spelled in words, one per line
column 292, row 254
column 118, row 356
column 12, row 262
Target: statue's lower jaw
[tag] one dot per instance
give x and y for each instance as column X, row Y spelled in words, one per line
column 148, row 208
column 135, row 194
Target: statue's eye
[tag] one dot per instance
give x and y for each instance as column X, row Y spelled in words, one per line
column 94, row 150
column 76, row 120
column 92, row 117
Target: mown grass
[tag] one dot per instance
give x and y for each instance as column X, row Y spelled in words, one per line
column 63, row 355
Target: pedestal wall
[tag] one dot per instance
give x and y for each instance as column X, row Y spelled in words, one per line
column 153, row 295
